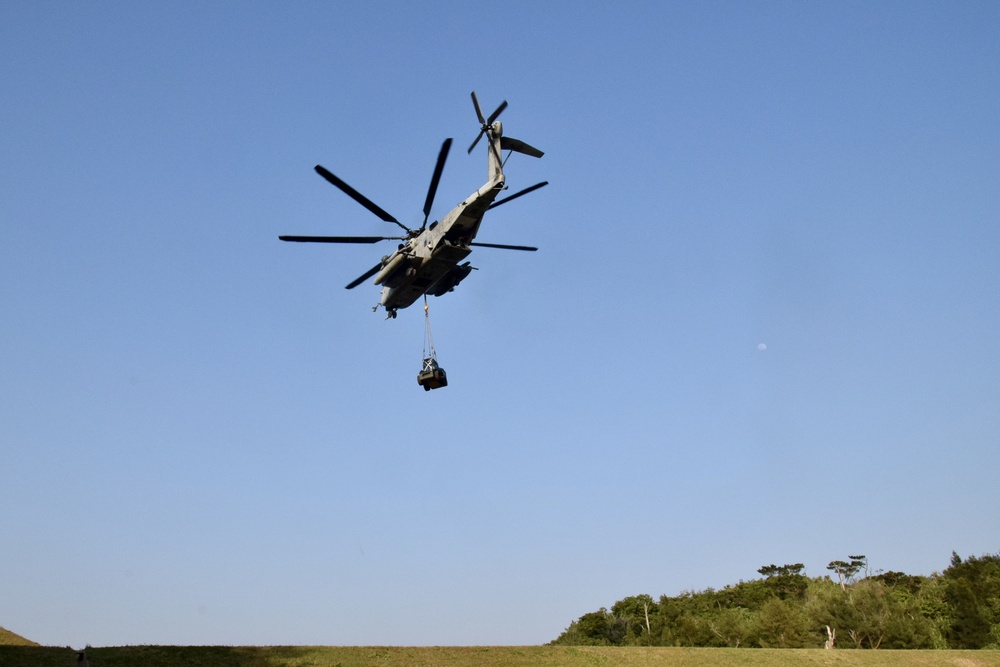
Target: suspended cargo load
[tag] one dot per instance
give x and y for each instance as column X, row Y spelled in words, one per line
column 432, row 376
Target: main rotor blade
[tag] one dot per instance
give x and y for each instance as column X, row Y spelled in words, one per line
column 504, row 247
column 435, row 179
column 341, row 239
column 517, row 194
column 357, row 196
column 368, row 274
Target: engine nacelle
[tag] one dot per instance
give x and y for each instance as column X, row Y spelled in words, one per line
column 396, row 270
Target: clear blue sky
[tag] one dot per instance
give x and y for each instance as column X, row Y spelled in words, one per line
column 762, row 326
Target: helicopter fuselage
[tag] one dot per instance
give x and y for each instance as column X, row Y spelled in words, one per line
column 428, row 263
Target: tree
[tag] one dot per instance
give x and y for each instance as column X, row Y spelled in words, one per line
column 846, row 570
column 596, row 628
column 872, row 611
column 635, row 612
column 994, row 637
column 681, row 619
column 782, row 624
column 970, row 627
column 734, row 627
column 972, row 592
column 781, row 570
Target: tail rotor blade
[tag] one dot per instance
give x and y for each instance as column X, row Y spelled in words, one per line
column 496, row 114
column 517, row 194
column 479, row 112
column 482, row 120
column 478, row 137
column 435, row 179
column 357, row 196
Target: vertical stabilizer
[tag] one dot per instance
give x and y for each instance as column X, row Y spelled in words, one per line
column 493, row 131
column 494, row 155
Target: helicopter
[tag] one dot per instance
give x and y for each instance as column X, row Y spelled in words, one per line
column 427, row 261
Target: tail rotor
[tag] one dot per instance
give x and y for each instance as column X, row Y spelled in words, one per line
column 506, row 143
column 485, row 123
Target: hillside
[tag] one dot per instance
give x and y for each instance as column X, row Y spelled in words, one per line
column 956, row 609
column 8, row 638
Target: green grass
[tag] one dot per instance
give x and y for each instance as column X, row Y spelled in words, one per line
column 8, row 638
column 513, row 656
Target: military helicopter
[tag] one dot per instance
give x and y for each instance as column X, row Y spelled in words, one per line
column 427, row 260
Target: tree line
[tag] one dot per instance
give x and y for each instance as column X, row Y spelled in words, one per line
column 852, row 607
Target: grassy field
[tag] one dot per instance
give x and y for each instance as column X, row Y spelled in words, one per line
column 514, row 656
column 8, row 638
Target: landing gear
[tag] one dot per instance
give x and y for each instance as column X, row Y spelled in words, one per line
column 390, row 313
